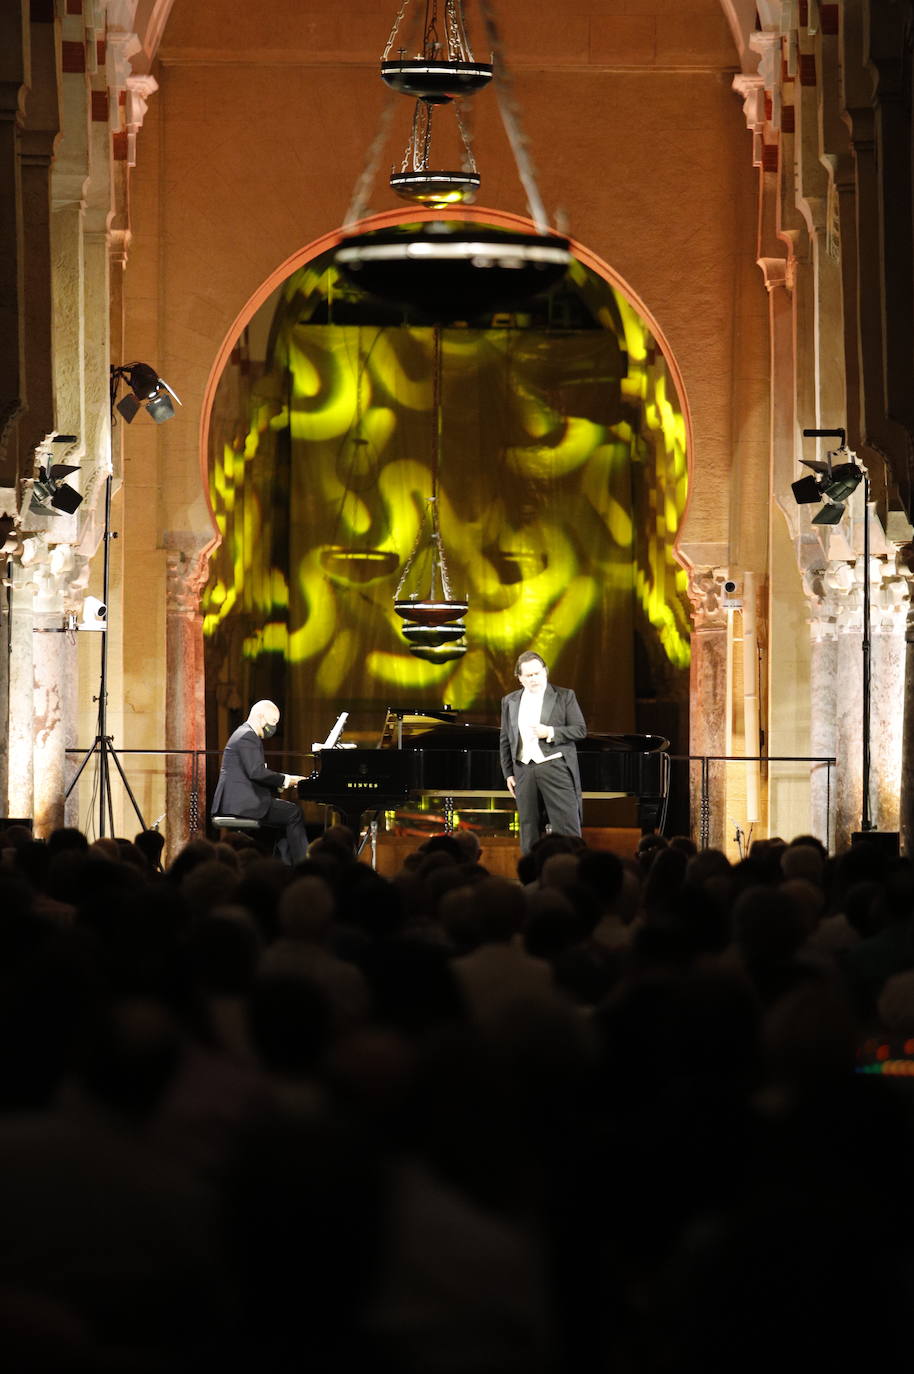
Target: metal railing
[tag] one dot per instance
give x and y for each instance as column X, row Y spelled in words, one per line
column 705, row 760
column 198, row 759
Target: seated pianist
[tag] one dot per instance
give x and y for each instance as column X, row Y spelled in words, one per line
column 247, row 787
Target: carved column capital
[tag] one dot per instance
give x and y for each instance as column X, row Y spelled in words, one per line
column 778, row 272
column 122, row 45
column 829, row 590
column 138, row 91
column 55, row 575
column 187, row 563
column 752, row 89
column 706, row 593
column 767, row 44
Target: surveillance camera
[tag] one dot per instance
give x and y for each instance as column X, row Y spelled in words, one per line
column 95, row 614
column 732, row 598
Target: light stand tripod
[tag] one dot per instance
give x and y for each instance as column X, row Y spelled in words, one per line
column 149, row 391
column 102, row 745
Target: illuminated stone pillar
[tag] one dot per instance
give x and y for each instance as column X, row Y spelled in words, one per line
column 891, row 600
column 708, row 696
column 57, row 580
column 823, row 741
column 185, row 721
column 4, row 695
column 905, row 561
column 42, row 676
column 20, row 800
column 49, row 724
column 848, row 722
column 844, row 580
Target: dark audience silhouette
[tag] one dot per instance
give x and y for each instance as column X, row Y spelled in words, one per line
column 644, row 1112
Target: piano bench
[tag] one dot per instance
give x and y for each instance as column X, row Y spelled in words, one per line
column 234, row 823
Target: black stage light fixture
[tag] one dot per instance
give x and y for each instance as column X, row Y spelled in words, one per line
column 50, row 494
column 828, row 482
column 830, row 514
column 149, row 391
column 806, row 491
column 843, row 480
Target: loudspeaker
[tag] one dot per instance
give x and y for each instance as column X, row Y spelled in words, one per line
column 886, row 841
column 7, row 821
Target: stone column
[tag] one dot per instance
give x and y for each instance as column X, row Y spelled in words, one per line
column 4, row 690
column 823, row 742
column 42, row 675
column 49, row 741
column 20, row 800
column 848, row 718
column 13, row 35
column 185, row 724
column 905, row 559
column 886, row 715
column 708, row 695
column 38, row 144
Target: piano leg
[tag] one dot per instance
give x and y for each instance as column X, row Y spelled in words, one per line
column 367, row 835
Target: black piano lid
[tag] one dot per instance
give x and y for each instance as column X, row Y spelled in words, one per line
column 444, row 729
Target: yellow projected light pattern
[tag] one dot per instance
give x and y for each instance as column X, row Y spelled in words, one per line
column 562, row 484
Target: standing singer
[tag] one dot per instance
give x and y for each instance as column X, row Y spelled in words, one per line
column 539, row 726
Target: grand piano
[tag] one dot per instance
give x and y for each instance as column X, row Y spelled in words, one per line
column 436, row 754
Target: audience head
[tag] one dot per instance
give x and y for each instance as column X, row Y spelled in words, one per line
column 151, row 844
column 500, row 910
column 306, row 910
column 803, row 861
column 603, row 873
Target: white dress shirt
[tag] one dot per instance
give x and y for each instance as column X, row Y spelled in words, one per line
column 528, row 718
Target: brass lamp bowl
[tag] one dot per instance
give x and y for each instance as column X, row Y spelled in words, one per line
column 431, row 612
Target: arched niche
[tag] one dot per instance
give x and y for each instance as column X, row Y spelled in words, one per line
column 562, row 487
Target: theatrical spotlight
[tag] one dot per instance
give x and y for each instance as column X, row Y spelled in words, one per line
column 833, row 484
column 50, row 493
column 149, row 392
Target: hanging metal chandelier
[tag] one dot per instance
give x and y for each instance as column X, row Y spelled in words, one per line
column 445, row 271
column 443, row 71
column 444, row 68
column 434, row 628
column 418, row 181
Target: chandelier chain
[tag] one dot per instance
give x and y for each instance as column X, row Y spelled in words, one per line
column 510, row 116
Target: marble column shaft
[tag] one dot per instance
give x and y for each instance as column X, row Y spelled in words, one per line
column 823, row 743
column 184, row 700
column 848, row 718
column 49, row 723
column 708, row 692
column 20, row 794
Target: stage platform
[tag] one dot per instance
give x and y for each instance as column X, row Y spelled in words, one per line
column 499, row 853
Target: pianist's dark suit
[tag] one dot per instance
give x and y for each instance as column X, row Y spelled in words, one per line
column 247, row 788
column 557, row 782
